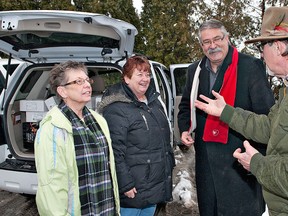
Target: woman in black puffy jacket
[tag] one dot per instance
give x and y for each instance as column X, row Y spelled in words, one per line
column 140, row 136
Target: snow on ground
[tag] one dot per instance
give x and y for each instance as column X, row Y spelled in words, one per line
column 184, row 191
column 184, row 187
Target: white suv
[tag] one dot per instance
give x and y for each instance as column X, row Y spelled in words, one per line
column 39, row 39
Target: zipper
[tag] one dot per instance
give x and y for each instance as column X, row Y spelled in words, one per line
column 145, row 120
column 163, row 113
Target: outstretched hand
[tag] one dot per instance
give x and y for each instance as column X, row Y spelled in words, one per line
column 245, row 157
column 212, row 107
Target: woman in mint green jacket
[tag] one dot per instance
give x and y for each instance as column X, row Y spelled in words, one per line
column 73, row 153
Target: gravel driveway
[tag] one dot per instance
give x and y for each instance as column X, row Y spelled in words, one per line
column 17, row 204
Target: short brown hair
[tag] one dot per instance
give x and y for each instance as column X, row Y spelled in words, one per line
column 140, row 62
column 58, row 76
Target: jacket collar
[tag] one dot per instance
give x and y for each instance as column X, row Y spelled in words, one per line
column 120, row 92
column 58, row 119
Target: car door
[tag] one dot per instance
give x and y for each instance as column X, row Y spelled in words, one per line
column 162, row 82
column 178, row 79
column 7, row 67
column 170, row 83
column 2, row 86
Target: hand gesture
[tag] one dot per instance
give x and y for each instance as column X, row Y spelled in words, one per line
column 212, row 107
column 245, row 157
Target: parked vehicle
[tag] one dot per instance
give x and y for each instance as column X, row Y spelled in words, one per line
column 41, row 39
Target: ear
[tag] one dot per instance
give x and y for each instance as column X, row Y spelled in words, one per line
column 280, row 46
column 227, row 39
column 62, row 91
column 126, row 79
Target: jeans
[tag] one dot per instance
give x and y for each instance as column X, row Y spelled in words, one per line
column 147, row 211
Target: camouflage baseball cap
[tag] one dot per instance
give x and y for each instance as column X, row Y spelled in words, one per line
column 274, row 25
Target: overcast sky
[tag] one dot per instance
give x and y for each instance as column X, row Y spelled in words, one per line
column 138, row 4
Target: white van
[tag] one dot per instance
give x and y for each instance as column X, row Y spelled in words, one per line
column 40, row 39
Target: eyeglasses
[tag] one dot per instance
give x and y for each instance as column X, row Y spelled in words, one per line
column 214, row 40
column 79, row 81
column 260, row 46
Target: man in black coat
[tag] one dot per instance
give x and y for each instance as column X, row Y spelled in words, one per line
column 223, row 186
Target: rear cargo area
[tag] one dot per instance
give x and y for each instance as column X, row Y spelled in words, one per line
column 33, row 98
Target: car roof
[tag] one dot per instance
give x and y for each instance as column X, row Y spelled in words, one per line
column 53, row 36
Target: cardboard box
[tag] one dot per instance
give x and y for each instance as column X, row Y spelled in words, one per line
column 51, row 102
column 33, row 105
column 34, row 116
column 16, row 117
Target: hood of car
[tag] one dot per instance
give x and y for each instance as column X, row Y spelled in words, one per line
column 53, row 36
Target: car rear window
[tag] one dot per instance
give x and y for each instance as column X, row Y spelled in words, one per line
column 11, row 69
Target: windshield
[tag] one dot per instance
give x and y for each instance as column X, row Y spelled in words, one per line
column 180, row 75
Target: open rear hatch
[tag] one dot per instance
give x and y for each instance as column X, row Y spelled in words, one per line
column 53, row 36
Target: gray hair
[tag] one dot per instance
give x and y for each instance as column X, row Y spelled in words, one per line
column 285, row 41
column 211, row 24
column 285, row 53
column 58, row 75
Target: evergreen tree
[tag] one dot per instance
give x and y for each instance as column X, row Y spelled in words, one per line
column 36, row 5
column 167, row 28
column 170, row 28
column 56, row 5
column 19, row 5
column 241, row 21
column 118, row 9
column 167, row 31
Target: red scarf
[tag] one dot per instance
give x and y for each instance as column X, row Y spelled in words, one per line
column 216, row 130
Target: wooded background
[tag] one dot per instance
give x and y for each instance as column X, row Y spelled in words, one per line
column 168, row 28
